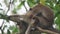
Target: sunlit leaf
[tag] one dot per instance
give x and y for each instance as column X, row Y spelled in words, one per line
column 19, row 6
column 31, row 3
column 58, row 20
column 14, row 11
column 42, row 1
column 58, row 2
column 36, row 1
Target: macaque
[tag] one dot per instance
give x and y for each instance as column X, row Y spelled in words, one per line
column 40, row 15
column 44, row 12
column 43, row 16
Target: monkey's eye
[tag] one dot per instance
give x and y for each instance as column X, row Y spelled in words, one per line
column 39, row 14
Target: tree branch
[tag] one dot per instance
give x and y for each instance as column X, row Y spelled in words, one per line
column 46, row 31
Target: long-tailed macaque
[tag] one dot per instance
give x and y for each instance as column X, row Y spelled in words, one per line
column 41, row 16
column 44, row 12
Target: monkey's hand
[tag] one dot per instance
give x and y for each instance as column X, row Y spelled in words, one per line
column 30, row 26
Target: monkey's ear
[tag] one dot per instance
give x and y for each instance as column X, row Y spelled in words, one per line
column 30, row 8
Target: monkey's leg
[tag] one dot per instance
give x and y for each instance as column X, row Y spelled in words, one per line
column 29, row 27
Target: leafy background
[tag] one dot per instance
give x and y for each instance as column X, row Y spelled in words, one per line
column 11, row 6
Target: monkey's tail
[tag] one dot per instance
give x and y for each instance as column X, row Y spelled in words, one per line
column 54, row 30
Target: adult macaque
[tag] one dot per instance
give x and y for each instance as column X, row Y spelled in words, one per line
column 40, row 15
column 44, row 12
column 44, row 19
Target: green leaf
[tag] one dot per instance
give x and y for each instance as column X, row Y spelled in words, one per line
column 14, row 29
column 57, row 7
column 42, row 1
column 31, row 3
column 4, row 17
column 14, row 11
column 19, row 6
column 58, row 2
column 57, row 13
column 8, row 31
column 58, row 27
column 11, row 27
column 58, row 20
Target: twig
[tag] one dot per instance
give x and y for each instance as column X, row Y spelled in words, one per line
column 25, row 7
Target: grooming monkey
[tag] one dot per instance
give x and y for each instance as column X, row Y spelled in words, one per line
column 43, row 16
column 39, row 15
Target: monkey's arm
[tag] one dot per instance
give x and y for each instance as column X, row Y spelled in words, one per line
column 30, row 26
